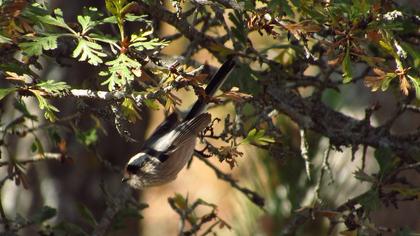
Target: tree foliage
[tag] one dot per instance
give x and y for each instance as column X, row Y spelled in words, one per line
column 297, row 59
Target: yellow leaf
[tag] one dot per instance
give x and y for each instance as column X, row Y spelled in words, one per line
column 224, row 51
column 129, row 110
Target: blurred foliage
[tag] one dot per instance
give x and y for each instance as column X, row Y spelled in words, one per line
column 275, row 43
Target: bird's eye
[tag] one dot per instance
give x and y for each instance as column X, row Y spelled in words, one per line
column 132, row 168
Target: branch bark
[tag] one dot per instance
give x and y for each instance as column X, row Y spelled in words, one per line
column 342, row 130
column 114, row 206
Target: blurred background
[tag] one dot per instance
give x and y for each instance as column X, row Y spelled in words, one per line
column 281, row 180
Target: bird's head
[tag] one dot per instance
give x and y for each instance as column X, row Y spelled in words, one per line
column 132, row 171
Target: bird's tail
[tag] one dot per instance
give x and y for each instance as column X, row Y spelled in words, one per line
column 215, row 83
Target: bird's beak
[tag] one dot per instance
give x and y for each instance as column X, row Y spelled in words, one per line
column 124, row 179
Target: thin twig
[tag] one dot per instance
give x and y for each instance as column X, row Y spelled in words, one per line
column 252, row 196
column 36, row 158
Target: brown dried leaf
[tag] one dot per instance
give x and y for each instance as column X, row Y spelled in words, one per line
column 379, row 71
column 373, row 82
column 335, row 61
column 329, row 214
column 15, row 76
column 235, row 95
column 62, row 146
column 228, row 154
column 404, row 85
column 374, row 36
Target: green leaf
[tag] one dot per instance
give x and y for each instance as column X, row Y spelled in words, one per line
column 257, row 137
column 5, row 40
column 384, row 157
column 56, row 20
column 37, row 147
column 362, row 176
column 87, row 215
column 114, row 6
column 387, row 80
column 283, row 4
column 152, row 104
column 6, row 91
column 44, row 214
column 416, row 84
column 21, row 106
column 120, row 71
column 43, row 104
column 413, row 53
column 104, row 38
column 129, row 110
column 347, row 71
column 370, row 200
column 86, row 23
column 54, row 87
column 386, row 45
column 89, row 51
column 239, row 30
column 123, row 215
column 141, row 42
column 134, row 18
column 38, row 44
column 88, row 137
column 129, row 7
column 180, row 201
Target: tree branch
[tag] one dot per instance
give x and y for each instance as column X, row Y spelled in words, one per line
column 38, row 157
column 114, row 206
column 341, row 129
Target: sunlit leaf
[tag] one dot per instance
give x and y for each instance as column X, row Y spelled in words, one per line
column 180, row 201
column 152, row 104
column 6, row 91
column 56, row 20
column 88, row 137
column 347, row 70
column 142, row 42
column 120, row 71
column 89, row 51
column 258, row 137
column 404, row 85
column 4, row 39
column 129, row 110
column 54, row 87
column 415, row 81
column 35, row 47
column 86, row 23
column 43, row 104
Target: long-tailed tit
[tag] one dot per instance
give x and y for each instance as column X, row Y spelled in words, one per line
column 172, row 144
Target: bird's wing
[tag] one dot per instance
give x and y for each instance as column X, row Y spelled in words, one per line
column 189, row 129
column 183, row 133
column 163, row 129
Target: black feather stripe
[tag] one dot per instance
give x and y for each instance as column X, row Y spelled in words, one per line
column 215, row 83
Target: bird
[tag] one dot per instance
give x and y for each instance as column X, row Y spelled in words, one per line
column 171, row 145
